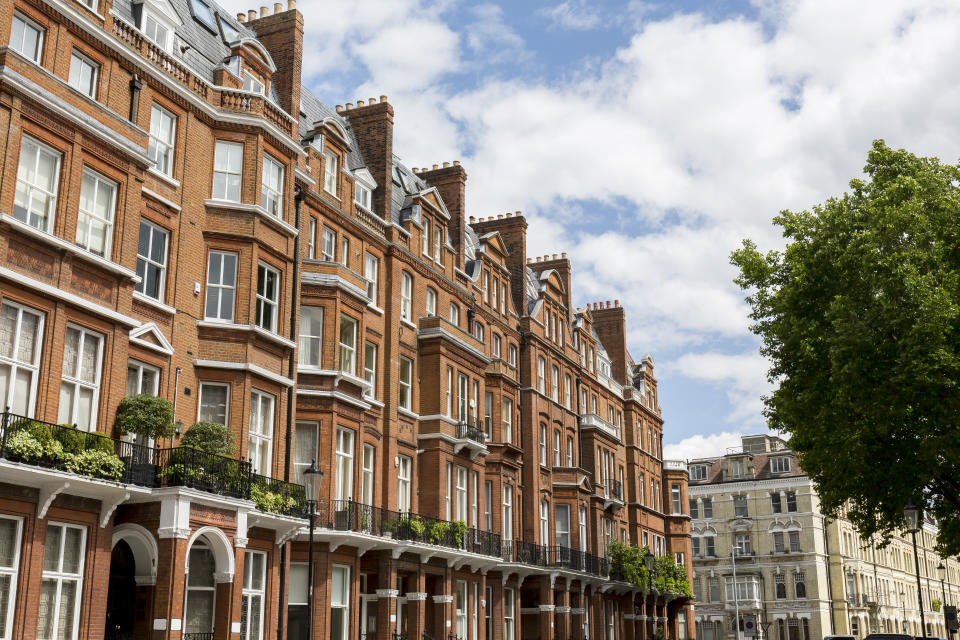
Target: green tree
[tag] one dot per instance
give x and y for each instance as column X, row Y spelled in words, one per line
column 211, row 437
column 145, row 414
column 860, row 318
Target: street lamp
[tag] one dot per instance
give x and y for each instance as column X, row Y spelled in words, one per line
column 912, row 515
column 903, row 605
column 649, row 562
column 311, row 486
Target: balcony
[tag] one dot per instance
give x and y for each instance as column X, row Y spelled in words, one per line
column 333, row 275
column 554, row 557
column 470, row 437
column 613, row 495
column 593, row 421
column 347, row 515
column 34, row 443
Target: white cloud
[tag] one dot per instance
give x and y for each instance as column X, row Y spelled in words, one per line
column 741, row 376
column 700, row 446
column 573, row 14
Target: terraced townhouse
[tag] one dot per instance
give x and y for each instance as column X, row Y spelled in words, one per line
column 180, row 216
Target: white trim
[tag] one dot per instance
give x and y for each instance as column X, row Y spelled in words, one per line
column 269, row 218
column 156, row 304
column 69, row 298
column 159, row 198
column 173, row 182
column 165, row 347
column 223, row 555
column 244, row 366
column 337, row 395
column 423, row 334
column 263, row 333
column 144, row 548
column 303, row 175
column 69, row 247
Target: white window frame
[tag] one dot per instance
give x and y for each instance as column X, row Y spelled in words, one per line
column 163, row 43
column 344, row 249
column 362, row 195
column 454, row 316
column 406, row 385
column 268, row 309
column 312, row 238
column 449, row 393
column 780, row 464
column 140, row 367
column 343, row 471
column 27, row 23
column 368, row 474
column 73, row 379
column 253, row 84
column 431, row 301
column 261, row 432
column 562, row 533
column 371, row 271
column 488, row 506
column 543, row 444
column 341, row 600
column 406, row 296
column 509, row 614
column 78, row 63
column 331, row 164
column 370, row 368
column 309, row 340
column 37, row 150
column 348, row 350
column 506, row 522
column 271, row 185
column 251, row 594
column 162, row 144
column 512, row 353
column 221, row 288
column 556, row 447
column 698, row 472
column 486, row 287
column 15, row 363
column 12, row 573
column 303, row 462
column 461, row 488
column 544, row 523
column 569, row 451
column 328, row 245
column 99, row 182
column 227, row 154
column 497, row 343
column 147, row 260
column 425, row 239
column 226, row 409
column 461, row 608
column 403, row 483
column 59, row 576
column 541, row 375
column 583, row 528
column 555, row 383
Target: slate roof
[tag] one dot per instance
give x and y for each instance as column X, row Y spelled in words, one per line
column 761, row 467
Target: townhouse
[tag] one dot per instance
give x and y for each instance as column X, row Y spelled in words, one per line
column 181, row 217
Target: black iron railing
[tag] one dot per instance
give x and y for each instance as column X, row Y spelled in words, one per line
column 554, row 557
column 469, row 432
column 616, row 489
column 95, row 455
column 348, row 515
column 198, row 636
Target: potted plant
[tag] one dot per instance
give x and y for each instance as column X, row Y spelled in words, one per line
column 146, row 418
column 210, row 437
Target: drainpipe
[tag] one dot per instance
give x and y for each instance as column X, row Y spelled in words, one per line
column 135, row 86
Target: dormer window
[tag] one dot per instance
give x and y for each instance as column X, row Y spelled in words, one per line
column 362, row 196
column 780, row 464
column 331, row 164
column 698, row 472
column 229, row 33
column 156, row 31
column 203, row 13
column 253, row 83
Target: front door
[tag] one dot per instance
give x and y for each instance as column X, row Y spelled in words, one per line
column 368, row 616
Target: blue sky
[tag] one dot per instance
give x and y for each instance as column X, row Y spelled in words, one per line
column 646, row 139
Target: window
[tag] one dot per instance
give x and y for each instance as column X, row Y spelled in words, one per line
column 403, row 484
column 567, row 390
column 678, row 558
column 509, row 629
column 425, row 238
column 478, row 331
column 707, row 508
column 740, row 506
column 312, row 238
column 406, row 296
column 268, row 295
column 21, row 337
column 461, row 503
column 10, row 532
column 361, row 195
column 488, row 414
column 775, row 504
column 26, row 38
column 38, row 174
column 694, row 509
column 203, row 13
column 253, row 83
column 487, row 509
column 227, row 167
column 791, row 501
column 462, row 400
column 507, row 512
column 311, row 336
column 343, row 474
column 563, row 525
column 83, row 74
column 63, row 560
column 555, row 384
column 486, row 287
column 370, row 368
column 569, row 451
column 544, row 522
column 438, row 244
column 339, row 602
column 271, row 190
column 348, row 343
column 736, row 468
column 142, row 378
column 474, row 480
column 747, row 588
column 780, row 587
column 709, row 546
column 494, row 293
column 695, row 546
column 160, row 148
column 507, row 417
column 97, row 203
column 449, row 393
column 344, row 250
column 461, row 608
column 799, row 585
column 366, row 484
column 431, row 302
column 583, row 528
column 713, row 586
column 260, row 444
column 371, row 271
column 306, row 440
column 543, row 444
column 328, row 245
column 331, row 163
column 156, row 31
column 556, row 448
column 488, row 625
column 675, row 497
column 406, row 374
column 778, row 542
column 503, row 298
column 743, row 545
column 213, row 405
column 780, row 464
column 221, row 286
column 794, row 537
column 454, row 314
column 513, row 355
column 497, row 341
column 251, row 608
column 80, row 382
column 541, row 376
column 152, row 260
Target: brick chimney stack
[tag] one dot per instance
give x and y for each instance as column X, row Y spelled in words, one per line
column 513, row 231
column 562, row 266
column 450, row 181
column 281, row 32
column 372, row 125
column 610, row 323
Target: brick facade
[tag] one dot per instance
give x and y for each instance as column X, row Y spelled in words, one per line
column 482, row 439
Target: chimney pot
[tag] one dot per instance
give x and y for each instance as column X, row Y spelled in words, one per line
column 563, row 255
column 472, row 219
column 372, row 101
column 456, row 163
column 616, row 303
column 517, row 213
column 383, row 98
column 499, row 216
column 291, row 5
column 339, row 108
column 446, row 164
column 349, row 105
column 359, row 103
column 241, row 18
column 277, row 7
column 252, row 14
column 264, row 11
column 529, row 260
column 435, row 167
column 509, row 215
column 554, row 256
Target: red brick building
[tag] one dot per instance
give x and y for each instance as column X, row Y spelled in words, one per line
column 179, row 216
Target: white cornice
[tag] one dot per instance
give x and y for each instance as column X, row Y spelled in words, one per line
column 424, row 334
column 272, row 220
column 245, row 366
column 336, row 395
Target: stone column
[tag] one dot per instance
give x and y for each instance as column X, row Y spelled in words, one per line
column 547, row 607
column 416, row 607
column 386, row 598
column 444, row 604
column 562, row 615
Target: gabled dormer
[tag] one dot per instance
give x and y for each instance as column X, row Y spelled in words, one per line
column 158, row 20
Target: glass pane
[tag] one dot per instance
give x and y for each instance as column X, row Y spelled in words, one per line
column 88, row 364
column 8, row 545
column 51, row 551
column 256, row 605
column 65, row 412
column 199, row 611
column 8, row 329
column 48, row 597
column 4, row 600
column 70, row 351
column 68, row 601
column 201, row 567
column 84, row 408
column 299, row 575
column 257, row 582
column 72, row 550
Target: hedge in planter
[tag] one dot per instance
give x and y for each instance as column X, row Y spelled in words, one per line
column 210, row 437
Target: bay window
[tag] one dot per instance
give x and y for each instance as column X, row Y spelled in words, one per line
column 152, row 260
column 403, row 484
column 271, row 189
column 311, row 336
column 343, row 475
column 214, row 399
column 371, row 271
column 268, row 297
column 227, row 170
column 161, row 145
column 348, row 343
column 221, row 286
column 305, row 443
column 370, row 369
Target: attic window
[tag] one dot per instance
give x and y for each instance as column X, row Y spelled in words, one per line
column 229, row 33
column 698, row 472
column 780, row 464
column 253, row 83
column 203, row 13
column 156, row 30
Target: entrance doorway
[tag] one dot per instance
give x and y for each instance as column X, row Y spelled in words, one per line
column 121, row 593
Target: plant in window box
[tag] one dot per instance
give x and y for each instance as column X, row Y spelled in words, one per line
column 417, row 526
column 438, row 531
column 459, row 530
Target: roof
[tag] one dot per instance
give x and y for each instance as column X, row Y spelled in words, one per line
column 761, row 467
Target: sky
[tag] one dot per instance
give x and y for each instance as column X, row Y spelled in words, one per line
column 647, row 139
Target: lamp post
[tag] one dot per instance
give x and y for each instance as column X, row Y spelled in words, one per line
column 942, row 574
column 311, row 485
column 648, row 561
column 912, row 516
column 903, row 605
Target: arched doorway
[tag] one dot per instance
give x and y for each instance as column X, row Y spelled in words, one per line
column 122, row 593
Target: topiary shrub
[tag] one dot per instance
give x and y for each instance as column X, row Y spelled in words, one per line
column 21, row 445
column 98, row 443
column 72, row 440
column 146, row 415
column 210, row 437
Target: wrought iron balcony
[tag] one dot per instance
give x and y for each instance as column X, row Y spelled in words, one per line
column 554, row 557
column 469, row 432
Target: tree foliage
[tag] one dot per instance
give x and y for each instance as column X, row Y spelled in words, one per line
column 210, row 437
column 860, row 318
column 145, row 414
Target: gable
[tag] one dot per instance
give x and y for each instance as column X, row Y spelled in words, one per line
column 149, row 336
